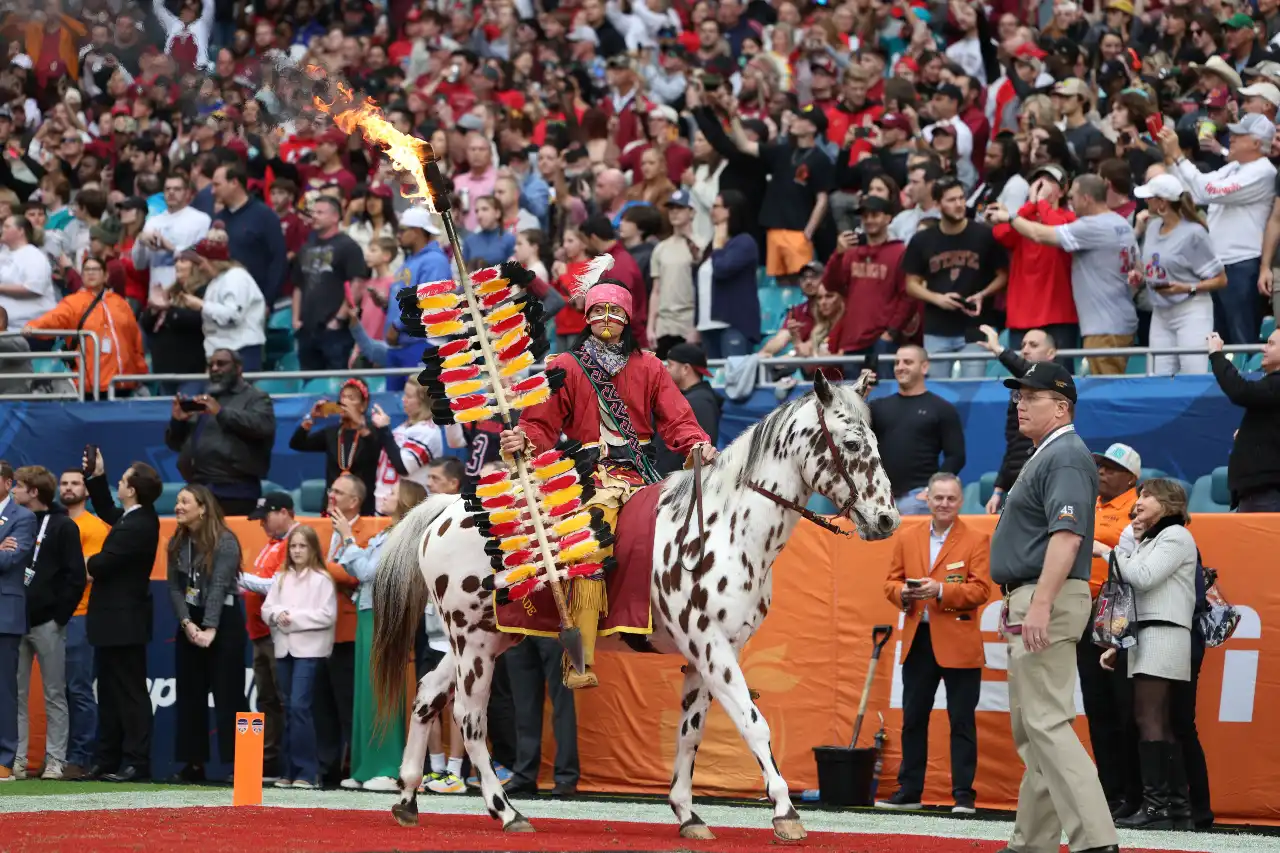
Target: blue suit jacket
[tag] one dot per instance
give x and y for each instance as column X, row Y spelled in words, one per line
column 19, row 523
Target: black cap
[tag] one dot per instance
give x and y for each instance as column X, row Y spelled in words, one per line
column 814, row 114
column 875, row 204
column 950, row 90
column 690, row 354
column 815, row 267
column 271, row 502
column 1046, row 376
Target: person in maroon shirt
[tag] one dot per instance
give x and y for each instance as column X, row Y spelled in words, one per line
column 602, row 239
column 867, row 268
column 663, row 124
column 972, row 114
column 799, row 318
column 623, row 101
column 328, row 169
column 296, row 229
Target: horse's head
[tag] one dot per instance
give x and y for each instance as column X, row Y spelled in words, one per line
column 844, row 465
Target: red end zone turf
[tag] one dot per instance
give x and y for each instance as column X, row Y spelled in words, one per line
column 287, row 830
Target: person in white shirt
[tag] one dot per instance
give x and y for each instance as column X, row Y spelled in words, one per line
column 166, row 234
column 967, row 50
column 1239, row 196
column 187, row 25
column 945, row 106
column 26, row 277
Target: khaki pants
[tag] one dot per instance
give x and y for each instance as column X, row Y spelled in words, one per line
column 1107, row 365
column 1060, row 788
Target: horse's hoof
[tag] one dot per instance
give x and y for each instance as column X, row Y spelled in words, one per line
column 518, row 824
column 695, row 830
column 789, row 829
column 406, row 814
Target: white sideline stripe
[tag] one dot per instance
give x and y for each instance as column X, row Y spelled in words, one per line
column 745, row 817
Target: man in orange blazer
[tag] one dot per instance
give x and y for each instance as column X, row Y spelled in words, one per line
column 939, row 577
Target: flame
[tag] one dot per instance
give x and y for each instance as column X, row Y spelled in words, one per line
column 405, row 152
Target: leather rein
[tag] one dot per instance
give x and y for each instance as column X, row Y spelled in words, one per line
column 785, row 503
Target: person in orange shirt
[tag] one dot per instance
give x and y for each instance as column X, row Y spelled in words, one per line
column 1108, row 696
column 275, row 512
column 939, row 577
column 81, row 703
column 335, row 687
column 94, row 308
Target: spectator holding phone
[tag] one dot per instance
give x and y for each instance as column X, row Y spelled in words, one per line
column 223, row 437
column 1253, row 471
column 1180, row 270
column 352, row 445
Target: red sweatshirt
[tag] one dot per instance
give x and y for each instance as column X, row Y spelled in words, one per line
column 875, row 289
column 1039, row 292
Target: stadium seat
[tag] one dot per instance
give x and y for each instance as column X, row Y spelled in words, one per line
column 311, row 499
column 49, row 365
column 987, row 486
column 1203, row 494
column 377, row 384
column 972, row 505
column 327, row 386
column 772, row 309
column 1151, row 474
column 1254, row 364
column 1268, row 326
column 822, row 506
column 1137, row 366
column 1221, row 493
column 278, row 386
column 282, row 319
column 268, row 486
column 168, row 498
column 288, row 361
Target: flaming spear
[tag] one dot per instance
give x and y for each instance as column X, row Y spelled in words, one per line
column 552, row 492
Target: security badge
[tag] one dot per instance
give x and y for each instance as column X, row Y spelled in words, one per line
column 955, row 577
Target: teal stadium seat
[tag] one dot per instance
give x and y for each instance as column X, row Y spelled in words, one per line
column 268, row 486
column 1152, row 474
column 278, row 386
column 1254, row 364
column 772, row 309
column 288, row 361
column 972, row 505
column 49, row 365
column 325, row 386
column 168, row 498
column 1210, row 493
column 377, row 384
column 311, row 499
column 1136, row 366
column 1268, row 326
column 282, row 319
column 987, row 486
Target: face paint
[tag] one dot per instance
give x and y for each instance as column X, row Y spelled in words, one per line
column 604, row 314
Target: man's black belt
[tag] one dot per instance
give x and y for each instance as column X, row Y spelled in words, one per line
column 1008, row 588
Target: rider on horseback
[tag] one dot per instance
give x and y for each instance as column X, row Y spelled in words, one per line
column 612, row 397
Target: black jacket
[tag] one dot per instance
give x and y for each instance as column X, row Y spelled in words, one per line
column 743, row 173
column 120, row 596
column 706, row 405
column 1255, row 457
column 365, row 464
column 175, row 337
column 58, row 583
column 231, row 447
column 1017, row 446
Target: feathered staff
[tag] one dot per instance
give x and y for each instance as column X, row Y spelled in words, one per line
column 535, row 518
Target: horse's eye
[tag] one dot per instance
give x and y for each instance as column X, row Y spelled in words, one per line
column 852, row 444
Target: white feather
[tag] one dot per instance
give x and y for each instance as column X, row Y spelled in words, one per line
column 594, row 271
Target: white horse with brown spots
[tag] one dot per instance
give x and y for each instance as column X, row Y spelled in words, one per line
column 704, row 609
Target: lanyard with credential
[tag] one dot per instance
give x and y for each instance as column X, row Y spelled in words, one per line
column 1053, row 436
column 35, row 554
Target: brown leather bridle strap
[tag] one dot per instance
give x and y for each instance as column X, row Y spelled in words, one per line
column 804, row 512
column 697, row 499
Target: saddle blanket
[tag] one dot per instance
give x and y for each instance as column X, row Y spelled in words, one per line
column 627, row 585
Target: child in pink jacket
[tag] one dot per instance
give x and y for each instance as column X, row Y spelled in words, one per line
column 301, row 610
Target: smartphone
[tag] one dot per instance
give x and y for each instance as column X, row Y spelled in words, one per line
column 861, row 132
column 973, row 335
column 187, row 404
column 90, row 460
column 915, row 582
column 1155, row 124
column 328, row 410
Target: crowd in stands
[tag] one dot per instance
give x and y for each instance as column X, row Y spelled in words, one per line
column 926, row 179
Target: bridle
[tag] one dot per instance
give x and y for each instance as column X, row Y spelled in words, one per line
column 841, row 469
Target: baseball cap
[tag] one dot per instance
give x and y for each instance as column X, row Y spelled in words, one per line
column 680, row 198
column 895, row 121
column 944, row 128
column 1256, row 125
column 1046, row 376
column 583, row 33
column 1269, row 92
column 824, row 64
column 417, row 217
column 811, row 113
column 6, row 113
column 271, row 502
column 666, row 113
column 950, row 90
column 1238, row 21
column 1216, row 100
column 1120, row 6
column 814, row 267
column 1122, row 456
column 1051, row 170
column 690, row 354
column 875, row 204
column 333, row 137
column 470, row 121
column 1072, row 86
column 1028, row 50
column 1164, row 186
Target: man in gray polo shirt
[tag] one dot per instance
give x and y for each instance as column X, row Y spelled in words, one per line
column 1103, row 251
column 1041, row 552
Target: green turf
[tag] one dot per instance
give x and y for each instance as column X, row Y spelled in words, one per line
column 34, row 787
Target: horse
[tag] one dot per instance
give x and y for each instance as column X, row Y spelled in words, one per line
column 709, row 591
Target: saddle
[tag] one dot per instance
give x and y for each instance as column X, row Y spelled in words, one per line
column 627, row 583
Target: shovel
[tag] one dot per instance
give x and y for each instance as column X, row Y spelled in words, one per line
column 880, row 635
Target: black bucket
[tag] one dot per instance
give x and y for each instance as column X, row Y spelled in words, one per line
column 845, row 775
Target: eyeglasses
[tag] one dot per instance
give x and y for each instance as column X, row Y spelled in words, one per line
column 70, row 140
column 1017, row 397
column 1195, row 31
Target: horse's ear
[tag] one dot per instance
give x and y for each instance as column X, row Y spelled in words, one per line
column 863, row 384
column 822, row 389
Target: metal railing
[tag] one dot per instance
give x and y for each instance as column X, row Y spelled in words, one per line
column 764, row 379
column 76, row 391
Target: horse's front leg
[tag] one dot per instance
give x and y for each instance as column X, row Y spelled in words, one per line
column 729, row 687
column 433, row 695
column 697, row 699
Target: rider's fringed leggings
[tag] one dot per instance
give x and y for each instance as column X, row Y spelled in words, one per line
column 589, row 602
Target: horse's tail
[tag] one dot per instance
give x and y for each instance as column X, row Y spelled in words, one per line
column 399, row 598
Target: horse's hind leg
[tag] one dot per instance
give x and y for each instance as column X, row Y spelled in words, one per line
column 433, row 695
column 697, row 699
column 470, row 711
